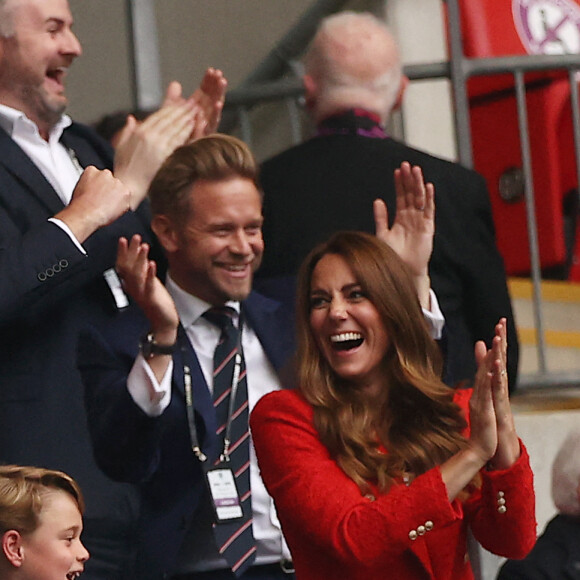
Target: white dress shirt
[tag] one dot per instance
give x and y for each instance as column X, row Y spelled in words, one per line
column 57, row 163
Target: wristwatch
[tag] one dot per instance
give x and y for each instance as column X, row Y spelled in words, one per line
column 150, row 348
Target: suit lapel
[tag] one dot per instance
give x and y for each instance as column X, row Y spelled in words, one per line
column 87, row 148
column 22, row 168
column 274, row 329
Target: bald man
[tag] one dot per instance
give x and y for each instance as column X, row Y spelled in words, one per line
column 353, row 81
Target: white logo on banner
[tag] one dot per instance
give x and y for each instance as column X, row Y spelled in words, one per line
column 548, row 26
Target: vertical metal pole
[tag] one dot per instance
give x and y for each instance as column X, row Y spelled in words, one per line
column 459, row 85
column 145, row 46
column 294, row 118
column 572, row 77
column 531, row 218
column 245, row 125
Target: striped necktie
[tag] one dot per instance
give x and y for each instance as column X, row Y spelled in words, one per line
column 235, row 539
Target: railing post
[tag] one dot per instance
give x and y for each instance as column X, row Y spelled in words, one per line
column 148, row 91
column 531, row 218
column 459, row 85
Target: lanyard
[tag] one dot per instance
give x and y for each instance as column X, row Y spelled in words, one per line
column 224, row 455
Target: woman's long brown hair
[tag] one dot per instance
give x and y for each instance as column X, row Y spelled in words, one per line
column 417, row 421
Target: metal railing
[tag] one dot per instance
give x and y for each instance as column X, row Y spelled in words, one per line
column 462, row 68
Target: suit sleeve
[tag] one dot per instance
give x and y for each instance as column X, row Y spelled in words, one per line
column 502, row 511
column 42, row 266
column 468, row 270
column 126, row 442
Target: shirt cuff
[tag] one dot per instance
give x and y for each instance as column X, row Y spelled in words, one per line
column 434, row 317
column 69, row 233
column 149, row 395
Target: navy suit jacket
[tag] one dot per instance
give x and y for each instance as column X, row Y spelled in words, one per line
column 156, row 452
column 48, row 290
column 556, row 555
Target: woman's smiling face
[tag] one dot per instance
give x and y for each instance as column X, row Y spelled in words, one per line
column 346, row 325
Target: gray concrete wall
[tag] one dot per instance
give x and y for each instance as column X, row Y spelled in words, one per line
column 193, row 34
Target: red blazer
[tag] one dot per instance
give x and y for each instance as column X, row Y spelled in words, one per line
column 411, row 532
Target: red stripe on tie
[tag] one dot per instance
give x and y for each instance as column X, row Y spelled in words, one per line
column 242, row 469
column 221, row 398
column 235, row 535
column 226, row 360
column 243, row 558
column 235, row 445
column 240, row 410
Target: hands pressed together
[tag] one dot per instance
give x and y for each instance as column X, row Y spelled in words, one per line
column 493, row 433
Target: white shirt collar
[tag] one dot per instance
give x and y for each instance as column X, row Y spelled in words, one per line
column 189, row 307
column 16, row 123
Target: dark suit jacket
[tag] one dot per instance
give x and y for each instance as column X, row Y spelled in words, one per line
column 48, row 290
column 329, row 183
column 156, row 452
column 556, row 555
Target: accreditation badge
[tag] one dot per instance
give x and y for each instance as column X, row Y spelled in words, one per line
column 224, row 494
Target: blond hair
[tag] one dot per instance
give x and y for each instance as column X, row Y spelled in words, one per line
column 211, row 158
column 23, row 490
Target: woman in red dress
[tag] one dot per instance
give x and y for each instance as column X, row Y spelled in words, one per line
column 378, row 469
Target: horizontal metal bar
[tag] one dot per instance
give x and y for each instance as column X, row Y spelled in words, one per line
column 292, row 86
column 552, row 379
column 525, row 63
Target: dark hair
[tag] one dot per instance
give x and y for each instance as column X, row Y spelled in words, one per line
column 109, row 125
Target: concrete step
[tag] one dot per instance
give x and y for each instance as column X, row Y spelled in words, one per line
column 561, row 311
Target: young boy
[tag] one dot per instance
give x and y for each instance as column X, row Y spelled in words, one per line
column 40, row 525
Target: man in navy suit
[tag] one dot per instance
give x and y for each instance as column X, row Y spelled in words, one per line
column 57, row 250
column 207, row 214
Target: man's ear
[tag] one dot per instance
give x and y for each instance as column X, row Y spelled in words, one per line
column 165, row 230
column 310, row 88
column 401, row 94
column 12, row 548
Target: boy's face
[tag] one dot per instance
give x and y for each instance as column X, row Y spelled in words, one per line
column 54, row 550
